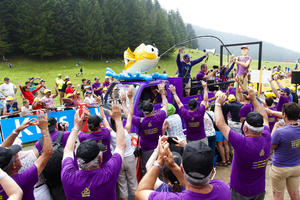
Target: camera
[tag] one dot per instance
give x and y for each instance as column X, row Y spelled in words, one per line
column 62, row 126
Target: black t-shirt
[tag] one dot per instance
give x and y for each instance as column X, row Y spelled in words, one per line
column 234, row 109
column 63, row 88
column 295, row 97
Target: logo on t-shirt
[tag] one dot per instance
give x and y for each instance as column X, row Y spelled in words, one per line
column 262, row 152
column 86, row 192
column 295, row 144
column 149, row 125
column 193, row 118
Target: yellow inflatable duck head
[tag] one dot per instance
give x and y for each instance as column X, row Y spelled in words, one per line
column 143, row 59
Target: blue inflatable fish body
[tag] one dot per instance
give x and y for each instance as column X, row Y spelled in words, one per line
column 127, row 76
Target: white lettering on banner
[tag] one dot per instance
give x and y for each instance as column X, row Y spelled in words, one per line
column 38, row 130
column 62, row 119
column 18, row 124
column 97, row 111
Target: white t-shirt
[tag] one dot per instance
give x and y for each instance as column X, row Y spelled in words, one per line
column 208, row 124
column 175, row 127
column 129, row 149
column 8, row 89
column 27, row 111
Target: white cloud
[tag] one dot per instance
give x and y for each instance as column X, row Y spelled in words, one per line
column 269, row 20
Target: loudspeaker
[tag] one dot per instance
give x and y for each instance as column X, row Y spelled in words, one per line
column 296, row 77
column 211, row 51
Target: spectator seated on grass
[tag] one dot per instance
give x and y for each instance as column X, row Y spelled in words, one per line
column 26, row 110
column 12, row 107
column 48, row 100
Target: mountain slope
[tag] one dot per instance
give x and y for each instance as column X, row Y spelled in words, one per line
column 270, row 51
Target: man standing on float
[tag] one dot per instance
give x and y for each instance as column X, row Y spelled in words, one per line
column 243, row 63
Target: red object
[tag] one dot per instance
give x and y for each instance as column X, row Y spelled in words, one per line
column 81, row 107
column 139, row 170
column 29, row 94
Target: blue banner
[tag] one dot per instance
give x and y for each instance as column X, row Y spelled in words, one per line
column 33, row 133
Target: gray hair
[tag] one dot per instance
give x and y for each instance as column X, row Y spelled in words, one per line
column 197, row 182
column 253, row 129
column 90, row 165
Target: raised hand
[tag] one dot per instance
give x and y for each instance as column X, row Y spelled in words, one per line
column 78, row 120
column 221, row 99
column 42, row 122
column 116, row 111
column 122, row 96
column 172, row 88
column 130, row 93
column 26, row 124
column 251, row 93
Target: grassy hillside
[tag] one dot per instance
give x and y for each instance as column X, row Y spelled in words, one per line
column 48, row 70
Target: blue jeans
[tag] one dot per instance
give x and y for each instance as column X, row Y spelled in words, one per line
column 212, row 145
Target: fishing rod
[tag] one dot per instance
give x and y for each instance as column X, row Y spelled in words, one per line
column 191, row 39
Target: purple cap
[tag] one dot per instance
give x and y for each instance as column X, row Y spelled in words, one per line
column 186, row 56
column 286, row 89
column 244, row 47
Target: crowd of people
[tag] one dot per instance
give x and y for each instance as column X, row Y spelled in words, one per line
column 244, row 131
column 36, row 95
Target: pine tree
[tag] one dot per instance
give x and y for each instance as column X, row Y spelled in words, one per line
column 191, row 34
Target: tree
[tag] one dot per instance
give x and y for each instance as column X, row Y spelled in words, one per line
column 191, row 34
column 5, row 47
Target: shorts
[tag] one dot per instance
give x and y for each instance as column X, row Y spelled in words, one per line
column 237, row 196
column 204, row 140
column 219, row 136
column 61, row 90
column 285, row 176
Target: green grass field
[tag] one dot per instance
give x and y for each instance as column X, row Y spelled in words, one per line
column 48, row 69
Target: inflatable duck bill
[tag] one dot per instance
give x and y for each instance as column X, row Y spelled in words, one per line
column 141, row 60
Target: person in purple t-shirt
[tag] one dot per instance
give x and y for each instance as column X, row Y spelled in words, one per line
column 243, row 63
column 203, row 74
column 150, row 127
column 11, row 188
column 272, row 118
column 194, row 173
column 94, row 179
column 55, row 185
column 10, row 161
column 97, row 88
column 285, row 169
column 194, row 117
column 99, row 134
column 284, row 96
column 251, row 152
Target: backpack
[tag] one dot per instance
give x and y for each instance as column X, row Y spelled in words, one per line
column 53, row 167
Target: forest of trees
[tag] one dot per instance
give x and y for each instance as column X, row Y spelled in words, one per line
column 94, row 29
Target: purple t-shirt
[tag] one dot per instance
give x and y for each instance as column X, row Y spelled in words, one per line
column 220, row 191
column 94, row 184
column 150, row 129
column 106, row 84
column 272, row 120
column 241, row 70
column 53, row 137
column 200, row 76
column 287, row 154
column 282, row 100
column 102, row 137
column 95, row 86
column 26, row 180
column 194, row 122
column 249, row 163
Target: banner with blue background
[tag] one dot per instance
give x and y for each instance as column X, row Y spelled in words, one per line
column 33, row 133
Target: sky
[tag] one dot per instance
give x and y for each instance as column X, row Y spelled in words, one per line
column 268, row 20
